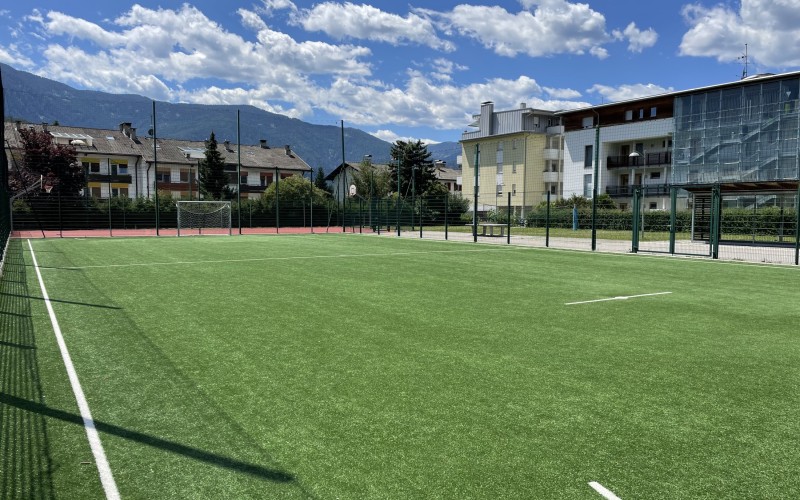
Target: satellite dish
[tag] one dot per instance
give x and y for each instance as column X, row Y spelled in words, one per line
column 352, row 189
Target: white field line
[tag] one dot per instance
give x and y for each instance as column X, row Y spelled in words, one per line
column 617, row 298
column 267, row 259
column 606, row 493
column 106, row 478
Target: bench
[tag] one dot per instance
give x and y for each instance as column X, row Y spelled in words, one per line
column 491, row 228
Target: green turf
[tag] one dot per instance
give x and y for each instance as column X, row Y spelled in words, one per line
column 346, row 366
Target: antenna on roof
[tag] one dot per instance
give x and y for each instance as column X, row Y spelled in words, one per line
column 744, row 57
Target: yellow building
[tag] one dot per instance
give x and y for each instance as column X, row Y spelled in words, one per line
column 518, row 152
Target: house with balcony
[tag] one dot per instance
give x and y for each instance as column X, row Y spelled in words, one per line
column 119, row 162
column 515, row 151
column 632, row 141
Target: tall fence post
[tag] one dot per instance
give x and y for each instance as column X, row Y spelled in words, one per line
column 446, row 210
column 716, row 216
column 547, row 222
column 673, row 217
column 797, row 228
column 277, row 202
column 637, row 208
column 508, row 215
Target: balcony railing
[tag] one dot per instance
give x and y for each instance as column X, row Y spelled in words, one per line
column 115, row 179
column 646, row 160
column 647, row 190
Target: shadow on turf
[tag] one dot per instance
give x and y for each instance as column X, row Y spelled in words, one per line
column 24, row 447
column 171, row 446
column 61, row 301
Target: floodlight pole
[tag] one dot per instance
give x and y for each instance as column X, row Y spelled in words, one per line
column 238, row 172
column 155, row 165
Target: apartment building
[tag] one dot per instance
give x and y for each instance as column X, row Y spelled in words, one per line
column 516, row 151
column 119, row 162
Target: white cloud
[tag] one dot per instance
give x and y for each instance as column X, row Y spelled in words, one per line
column 769, row 27
column 562, row 93
column 366, row 22
column 270, row 6
column 626, row 92
column 551, row 27
column 12, row 56
column 638, row 40
column 390, row 136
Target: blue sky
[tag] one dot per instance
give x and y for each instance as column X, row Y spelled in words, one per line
column 398, row 69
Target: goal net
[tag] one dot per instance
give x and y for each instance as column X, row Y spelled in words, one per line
column 204, row 217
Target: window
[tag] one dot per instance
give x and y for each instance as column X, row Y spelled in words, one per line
column 243, row 178
column 96, row 192
column 587, row 185
column 653, row 112
column 118, row 167
column 184, row 176
column 499, row 189
column 628, row 115
column 116, row 192
column 163, row 176
column 92, row 166
column 514, row 189
column 641, row 113
column 653, row 205
column 588, row 152
column 499, row 169
column 623, row 206
column 266, row 179
column 514, row 168
column 587, row 122
column 514, row 144
column 655, row 175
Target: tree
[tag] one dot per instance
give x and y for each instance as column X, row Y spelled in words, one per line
column 371, row 181
column 293, row 189
column 213, row 179
column 411, row 158
column 320, row 182
column 55, row 164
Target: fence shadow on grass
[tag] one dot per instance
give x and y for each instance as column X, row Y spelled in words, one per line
column 195, row 453
column 25, row 466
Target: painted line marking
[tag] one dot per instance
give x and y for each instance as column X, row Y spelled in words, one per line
column 624, row 297
column 106, row 478
column 605, row 492
column 267, row 259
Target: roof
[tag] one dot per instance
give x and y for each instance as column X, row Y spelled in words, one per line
column 125, row 142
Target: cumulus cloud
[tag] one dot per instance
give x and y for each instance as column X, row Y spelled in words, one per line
column 638, row 40
column 366, row 22
column 769, row 27
column 626, row 92
column 562, row 93
column 391, row 136
column 547, row 27
column 11, row 55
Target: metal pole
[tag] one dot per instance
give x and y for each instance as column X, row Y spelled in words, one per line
column 797, row 228
column 508, row 236
column 344, row 178
column 413, row 193
column 446, row 210
column 110, row 231
column 673, row 217
column 475, row 203
column 595, row 180
column 311, row 201
column 397, row 206
column 238, row 172
column 277, row 203
column 155, row 167
column 547, row 222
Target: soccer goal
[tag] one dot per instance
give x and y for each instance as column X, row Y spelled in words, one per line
column 204, row 217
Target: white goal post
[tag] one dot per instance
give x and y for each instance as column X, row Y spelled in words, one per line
column 204, row 217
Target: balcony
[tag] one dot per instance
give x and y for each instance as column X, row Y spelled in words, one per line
column 113, row 179
column 661, row 159
column 551, row 177
column 647, row 190
column 552, row 154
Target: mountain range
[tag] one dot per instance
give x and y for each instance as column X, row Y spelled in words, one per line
column 35, row 99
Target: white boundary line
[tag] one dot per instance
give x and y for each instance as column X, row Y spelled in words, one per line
column 106, row 478
column 605, row 492
column 617, row 298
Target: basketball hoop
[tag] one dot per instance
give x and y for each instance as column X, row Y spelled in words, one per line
column 48, row 188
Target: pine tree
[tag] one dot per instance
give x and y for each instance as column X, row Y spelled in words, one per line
column 412, row 158
column 320, row 182
column 213, row 179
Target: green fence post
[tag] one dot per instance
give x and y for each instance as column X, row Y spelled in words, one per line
column 420, row 217
column 716, row 216
column 508, row 216
column 637, row 208
column 277, row 203
column 475, row 193
column 446, row 209
column 673, row 217
column 797, row 228
column 547, row 222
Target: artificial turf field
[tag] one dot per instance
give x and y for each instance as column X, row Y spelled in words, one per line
column 347, row 366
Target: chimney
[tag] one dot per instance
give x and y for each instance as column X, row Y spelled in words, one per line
column 18, row 124
column 486, row 119
column 125, row 128
column 44, row 126
column 227, row 145
column 288, row 150
column 263, row 143
column 132, row 134
column 523, row 105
